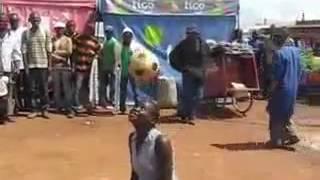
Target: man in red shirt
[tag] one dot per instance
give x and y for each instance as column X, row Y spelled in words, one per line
column 87, row 47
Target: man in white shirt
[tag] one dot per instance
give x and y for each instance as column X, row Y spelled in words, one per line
column 23, row 100
column 10, row 55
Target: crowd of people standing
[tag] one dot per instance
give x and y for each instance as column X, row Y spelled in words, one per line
column 40, row 62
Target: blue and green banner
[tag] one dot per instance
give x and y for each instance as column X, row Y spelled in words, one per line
column 162, row 33
column 159, row 25
column 173, row 7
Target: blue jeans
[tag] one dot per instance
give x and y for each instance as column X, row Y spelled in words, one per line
column 191, row 90
column 82, row 88
column 124, row 90
column 62, row 77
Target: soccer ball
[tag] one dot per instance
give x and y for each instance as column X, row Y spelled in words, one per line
column 143, row 66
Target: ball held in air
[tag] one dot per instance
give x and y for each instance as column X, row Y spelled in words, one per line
column 143, row 67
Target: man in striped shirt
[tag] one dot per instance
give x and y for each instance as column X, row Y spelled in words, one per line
column 87, row 47
column 36, row 49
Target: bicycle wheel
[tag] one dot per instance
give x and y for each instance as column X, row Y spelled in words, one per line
column 243, row 104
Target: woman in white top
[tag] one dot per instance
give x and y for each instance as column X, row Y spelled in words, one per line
column 151, row 152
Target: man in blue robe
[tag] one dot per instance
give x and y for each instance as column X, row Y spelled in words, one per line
column 284, row 88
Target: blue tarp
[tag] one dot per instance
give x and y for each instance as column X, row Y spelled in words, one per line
column 161, row 33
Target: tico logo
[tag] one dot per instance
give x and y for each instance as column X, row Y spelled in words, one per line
column 195, row 5
column 145, row 5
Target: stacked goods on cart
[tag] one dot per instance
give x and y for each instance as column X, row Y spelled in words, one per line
column 229, row 48
column 311, row 77
column 310, row 62
column 311, row 65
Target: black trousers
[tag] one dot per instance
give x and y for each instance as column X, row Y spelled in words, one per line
column 38, row 80
column 124, row 90
column 24, row 100
column 106, row 79
column 62, row 89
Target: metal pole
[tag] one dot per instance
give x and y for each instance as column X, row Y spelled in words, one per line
column 238, row 17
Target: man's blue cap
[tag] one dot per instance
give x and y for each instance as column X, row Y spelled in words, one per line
column 192, row 29
column 108, row 28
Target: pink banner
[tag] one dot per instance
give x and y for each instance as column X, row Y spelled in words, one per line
column 51, row 13
column 63, row 3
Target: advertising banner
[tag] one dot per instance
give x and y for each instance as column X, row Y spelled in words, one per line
column 173, row 7
column 160, row 36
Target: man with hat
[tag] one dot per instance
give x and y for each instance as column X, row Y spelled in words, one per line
column 126, row 53
column 284, row 88
column 61, row 69
column 188, row 57
column 107, row 64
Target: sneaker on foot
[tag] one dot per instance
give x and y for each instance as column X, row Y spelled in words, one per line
column 44, row 114
column 32, row 115
column 100, row 107
column 274, row 145
column 70, row 115
column 292, row 141
column 109, row 107
column 10, row 120
column 78, row 108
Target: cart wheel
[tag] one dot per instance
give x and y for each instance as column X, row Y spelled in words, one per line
column 220, row 105
column 243, row 104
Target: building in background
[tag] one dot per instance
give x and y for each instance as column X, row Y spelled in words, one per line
column 307, row 32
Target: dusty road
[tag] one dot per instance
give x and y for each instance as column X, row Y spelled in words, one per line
column 225, row 149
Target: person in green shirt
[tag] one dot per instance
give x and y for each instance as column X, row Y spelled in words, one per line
column 107, row 65
column 126, row 55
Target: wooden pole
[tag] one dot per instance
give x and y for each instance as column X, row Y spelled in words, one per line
column 238, row 17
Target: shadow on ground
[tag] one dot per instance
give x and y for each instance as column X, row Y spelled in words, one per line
column 249, row 146
column 210, row 111
column 173, row 119
column 204, row 112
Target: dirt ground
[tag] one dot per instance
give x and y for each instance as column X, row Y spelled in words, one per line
column 214, row 149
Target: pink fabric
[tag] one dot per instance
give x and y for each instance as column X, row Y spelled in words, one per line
column 54, row 10
column 63, row 3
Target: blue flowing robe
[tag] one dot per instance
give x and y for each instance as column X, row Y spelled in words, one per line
column 286, row 71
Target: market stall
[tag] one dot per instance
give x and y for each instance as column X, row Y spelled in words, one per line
column 310, row 80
